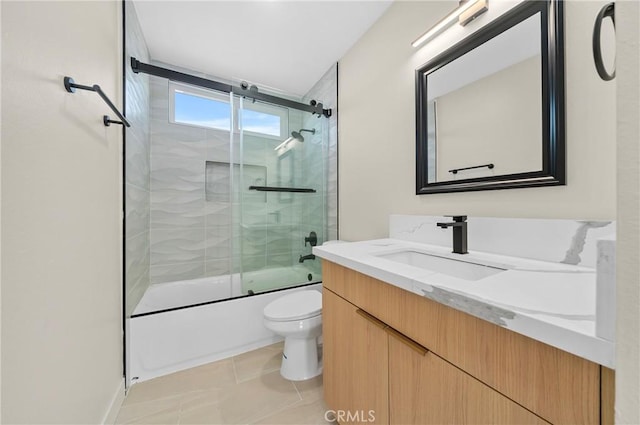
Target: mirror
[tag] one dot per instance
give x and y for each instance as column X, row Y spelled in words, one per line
column 490, row 110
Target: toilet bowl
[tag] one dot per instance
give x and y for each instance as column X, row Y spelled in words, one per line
column 298, row 318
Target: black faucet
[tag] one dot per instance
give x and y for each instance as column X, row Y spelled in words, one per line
column 459, row 232
column 306, row 257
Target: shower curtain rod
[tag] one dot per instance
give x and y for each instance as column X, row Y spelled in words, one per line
column 245, row 91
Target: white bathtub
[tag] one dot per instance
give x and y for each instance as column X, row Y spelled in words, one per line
column 163, row 296
column 166, row 342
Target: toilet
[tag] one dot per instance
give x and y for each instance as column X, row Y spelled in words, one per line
column 298, row 318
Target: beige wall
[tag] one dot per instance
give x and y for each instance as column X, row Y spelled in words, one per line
column 628, row 250
column 377, row 128
column 61, row 213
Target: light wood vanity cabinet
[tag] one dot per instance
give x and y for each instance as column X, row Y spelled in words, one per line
column 356, row 369
column 375, row 372
column 425, row 389
column 414, row 361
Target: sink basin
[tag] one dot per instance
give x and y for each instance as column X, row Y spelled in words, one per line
column 455, row 268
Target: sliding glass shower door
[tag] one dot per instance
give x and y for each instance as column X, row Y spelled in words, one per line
column 282, row 190
column 225, row 197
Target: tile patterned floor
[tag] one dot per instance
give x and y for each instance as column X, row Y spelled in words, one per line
column 245, row 389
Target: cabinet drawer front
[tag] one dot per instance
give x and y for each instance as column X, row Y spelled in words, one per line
column 425, row 389
column 355, row 363
column 558, row 386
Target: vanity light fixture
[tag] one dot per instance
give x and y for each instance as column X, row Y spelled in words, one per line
column 285, row 144
column 467, row 11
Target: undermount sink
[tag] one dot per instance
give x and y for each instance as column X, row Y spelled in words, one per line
column 456, row 268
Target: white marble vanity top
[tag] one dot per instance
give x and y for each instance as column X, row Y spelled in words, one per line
column 554, row 303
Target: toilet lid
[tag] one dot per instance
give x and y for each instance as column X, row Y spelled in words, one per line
column 295, row 306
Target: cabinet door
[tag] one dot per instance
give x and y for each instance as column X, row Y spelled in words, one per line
column 425, row 389
column 355, row 361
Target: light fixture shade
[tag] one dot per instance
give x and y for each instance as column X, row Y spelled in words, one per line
column 477, row 9
column 468, row 11
column 286, row 146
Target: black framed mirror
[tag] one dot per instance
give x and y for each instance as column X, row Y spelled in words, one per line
column 490, row 111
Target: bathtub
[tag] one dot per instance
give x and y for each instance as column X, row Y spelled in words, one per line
column 173, row 340
column 164, row 296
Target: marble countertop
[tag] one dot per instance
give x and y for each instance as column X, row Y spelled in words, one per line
column 553, row 303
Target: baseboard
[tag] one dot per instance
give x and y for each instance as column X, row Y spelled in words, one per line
column 114, row 407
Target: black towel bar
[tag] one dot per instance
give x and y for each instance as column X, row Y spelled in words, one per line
column 281, row 189
column 71, row 87
column 455, row 170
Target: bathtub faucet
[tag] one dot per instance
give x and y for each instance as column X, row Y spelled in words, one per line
column 306, row 257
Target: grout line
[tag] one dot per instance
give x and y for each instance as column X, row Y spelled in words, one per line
column 282, row 409
column 190, row 392
column 138, row 419
column 180, row 410
column 235, row 373
column 151, row 400
column 297, row 390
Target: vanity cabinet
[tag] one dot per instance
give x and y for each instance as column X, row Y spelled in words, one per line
column 426, row 389
column 376, row 374
column 355, row 375
column 415, row 361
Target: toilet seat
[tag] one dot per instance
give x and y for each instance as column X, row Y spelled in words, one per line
column 296, row 306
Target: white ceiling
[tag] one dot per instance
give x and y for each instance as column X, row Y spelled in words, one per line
column 282, row 45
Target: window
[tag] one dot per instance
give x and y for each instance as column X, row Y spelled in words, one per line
column 205, row 108
column 202, row 108
column 264, row 119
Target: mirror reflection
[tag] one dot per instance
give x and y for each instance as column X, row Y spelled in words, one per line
column 485, row 108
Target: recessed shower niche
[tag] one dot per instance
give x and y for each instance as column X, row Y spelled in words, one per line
column 218, row 178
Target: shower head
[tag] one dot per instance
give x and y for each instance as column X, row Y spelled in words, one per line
column 296, row 134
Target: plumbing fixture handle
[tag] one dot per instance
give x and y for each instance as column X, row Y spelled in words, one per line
column 312, row 239
column 458, row 218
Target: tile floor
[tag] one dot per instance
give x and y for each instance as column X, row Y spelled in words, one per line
column 245, row 389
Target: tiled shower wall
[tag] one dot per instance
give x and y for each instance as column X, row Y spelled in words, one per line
column 326, row 91
column 191, row 236
column 137, row 168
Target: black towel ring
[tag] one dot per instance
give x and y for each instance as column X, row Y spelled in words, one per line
column 607, row 11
